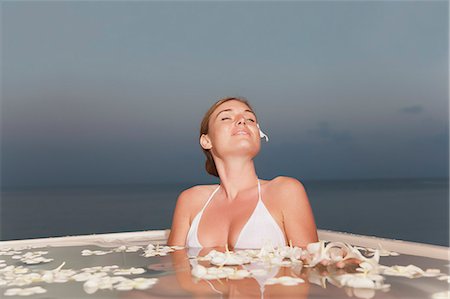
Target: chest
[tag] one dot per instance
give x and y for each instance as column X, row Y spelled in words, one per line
column 223, row 222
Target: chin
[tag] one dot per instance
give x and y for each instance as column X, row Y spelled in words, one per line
column 246, row 150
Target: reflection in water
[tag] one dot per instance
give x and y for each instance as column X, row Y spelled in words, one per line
column 126, row 272
column 183, row 283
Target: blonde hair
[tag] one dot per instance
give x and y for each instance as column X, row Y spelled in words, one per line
column 204, row 129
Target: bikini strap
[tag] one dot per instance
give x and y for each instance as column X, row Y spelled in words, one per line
column 210, row 197
column 259, row 191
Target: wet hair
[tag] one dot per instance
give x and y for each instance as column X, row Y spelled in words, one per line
column 204, row 129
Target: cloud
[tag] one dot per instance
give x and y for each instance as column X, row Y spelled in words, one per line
column 325, row 131
column 415, row 109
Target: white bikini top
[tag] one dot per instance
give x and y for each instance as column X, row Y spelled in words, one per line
column 261, row 229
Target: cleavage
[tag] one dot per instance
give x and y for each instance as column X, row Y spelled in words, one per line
column 222, row 223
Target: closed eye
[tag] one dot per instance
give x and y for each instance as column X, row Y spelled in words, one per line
column 224, row 118
column 250, row 119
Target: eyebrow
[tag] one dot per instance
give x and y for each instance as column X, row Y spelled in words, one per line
column 228, row 110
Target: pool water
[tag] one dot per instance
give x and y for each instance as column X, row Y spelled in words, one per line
column 174, row 277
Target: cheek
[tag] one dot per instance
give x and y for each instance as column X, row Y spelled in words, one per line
column 217, row 133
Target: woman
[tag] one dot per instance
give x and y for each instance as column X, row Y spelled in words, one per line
column 243, row 211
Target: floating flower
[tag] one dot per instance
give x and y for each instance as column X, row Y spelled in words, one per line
column 137, row 283
column 23, row 279
column 361, row 280
column 291, row 252
column 208, row 273
column 239, row 274
column 158, row 250
column 432, row 273
column 9, row 251
column 360, row 293
column 315, row 254
column 258, row 272
column 32, row 258
column 382, row 251
column 444, row 277
column 100, row 269
column 441, row 295
column 228, row 258
column 124, row 248
column 58, row 275
column 25, row 292
column 87, row 252
column 119, row 283
column 409, row 271
column 13, row 270
column 130, row 271
column 285, row 280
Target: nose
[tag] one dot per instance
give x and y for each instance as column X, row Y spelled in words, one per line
column 241, row 120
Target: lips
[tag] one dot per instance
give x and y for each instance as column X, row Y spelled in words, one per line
column 241, row 132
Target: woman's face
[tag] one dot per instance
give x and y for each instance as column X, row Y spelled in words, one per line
column 232, row 131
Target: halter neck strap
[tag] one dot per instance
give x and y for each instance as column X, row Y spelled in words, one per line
column 259, row 190
column 217, row 189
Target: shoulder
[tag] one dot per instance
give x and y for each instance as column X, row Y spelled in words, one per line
column 195, row 195
column 287, row 185
column 288, row 190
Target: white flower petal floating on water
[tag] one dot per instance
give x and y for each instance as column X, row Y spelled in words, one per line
column 208, row 273
column 25, row 292
column 90, row 286
column 134, row 248
column 9, row 251
column 13, row 270
column 444, row 277
column 239, row 274
column 229, row 258
column 87, row 252
column 441, row 295
column 152, row 250
column 58, row 275
column 32, row 257
column 291, row 252
column 177, row 247
column 361, row 293
column 432, row 273
column 382, row 251
column 37, row 260
column 315, row 277
column 285, row 280
column 199, row 271
column 84, row 276
column 124, row 248
column 361, row 280
column 144, row 283
column 258, row 272
column 24, row 279
column 409, row 271
column 99, row 269
column 315, row 253
column 118, row 283
column 130, row 271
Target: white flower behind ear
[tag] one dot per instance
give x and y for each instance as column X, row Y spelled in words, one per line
column 261, row 134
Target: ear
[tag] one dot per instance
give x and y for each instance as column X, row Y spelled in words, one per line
column 205, row 142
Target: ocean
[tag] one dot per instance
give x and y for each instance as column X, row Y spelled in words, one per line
column 404, row 209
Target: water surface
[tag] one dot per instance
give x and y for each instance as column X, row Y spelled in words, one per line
column 405, row 209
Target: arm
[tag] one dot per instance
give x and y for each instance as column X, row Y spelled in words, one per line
column 181, row 219
column 298, row 217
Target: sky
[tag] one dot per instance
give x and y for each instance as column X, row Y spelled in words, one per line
column 113, row 92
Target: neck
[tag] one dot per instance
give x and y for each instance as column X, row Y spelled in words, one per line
column 236, row 175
